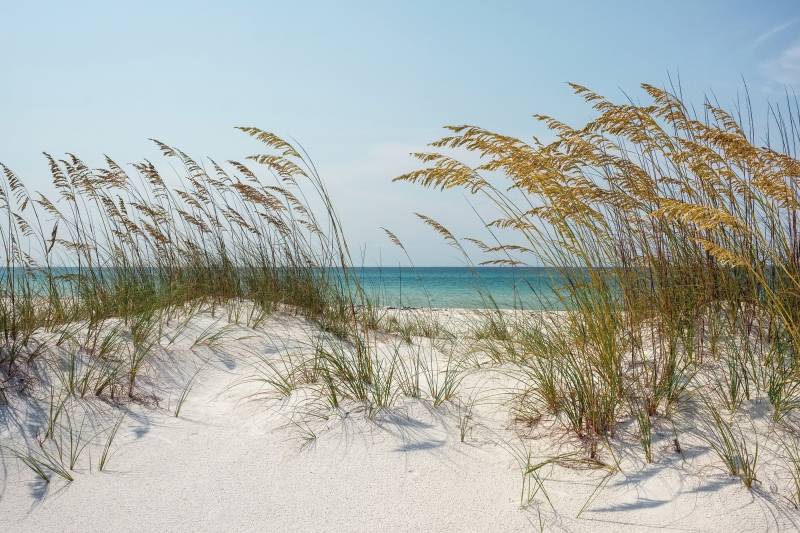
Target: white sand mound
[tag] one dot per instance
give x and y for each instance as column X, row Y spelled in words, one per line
column 232, row 462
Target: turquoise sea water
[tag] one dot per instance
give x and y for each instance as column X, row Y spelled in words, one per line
column 527, row 287
column 476, row 287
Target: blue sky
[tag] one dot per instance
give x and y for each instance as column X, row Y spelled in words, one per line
column 360, row 84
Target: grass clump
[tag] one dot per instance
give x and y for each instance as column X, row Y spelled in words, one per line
column 139, row 251
column 673, row 240
column 730, row 445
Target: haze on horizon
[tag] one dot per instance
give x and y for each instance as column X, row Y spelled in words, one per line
column 360, row 85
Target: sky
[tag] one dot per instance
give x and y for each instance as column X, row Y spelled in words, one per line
column 359, row 84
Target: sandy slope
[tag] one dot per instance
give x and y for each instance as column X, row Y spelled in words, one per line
column 233, row 464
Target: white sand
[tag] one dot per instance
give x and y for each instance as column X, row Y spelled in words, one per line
column 231, row 463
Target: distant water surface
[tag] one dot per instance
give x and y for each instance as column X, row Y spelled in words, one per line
column 505, row 287
column 464, row 287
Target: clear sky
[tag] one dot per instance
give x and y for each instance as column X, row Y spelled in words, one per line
column 360, row 84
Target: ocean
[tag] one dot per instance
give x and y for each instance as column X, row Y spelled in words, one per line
column 479, row 287
column 462, row 287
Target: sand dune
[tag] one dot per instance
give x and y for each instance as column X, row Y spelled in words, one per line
column 236, row 460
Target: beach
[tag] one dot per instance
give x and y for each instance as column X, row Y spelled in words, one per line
column 191, row 345
column 240, row 458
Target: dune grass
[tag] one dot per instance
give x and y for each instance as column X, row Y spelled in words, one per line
column 135, row 250
column 676, row 236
